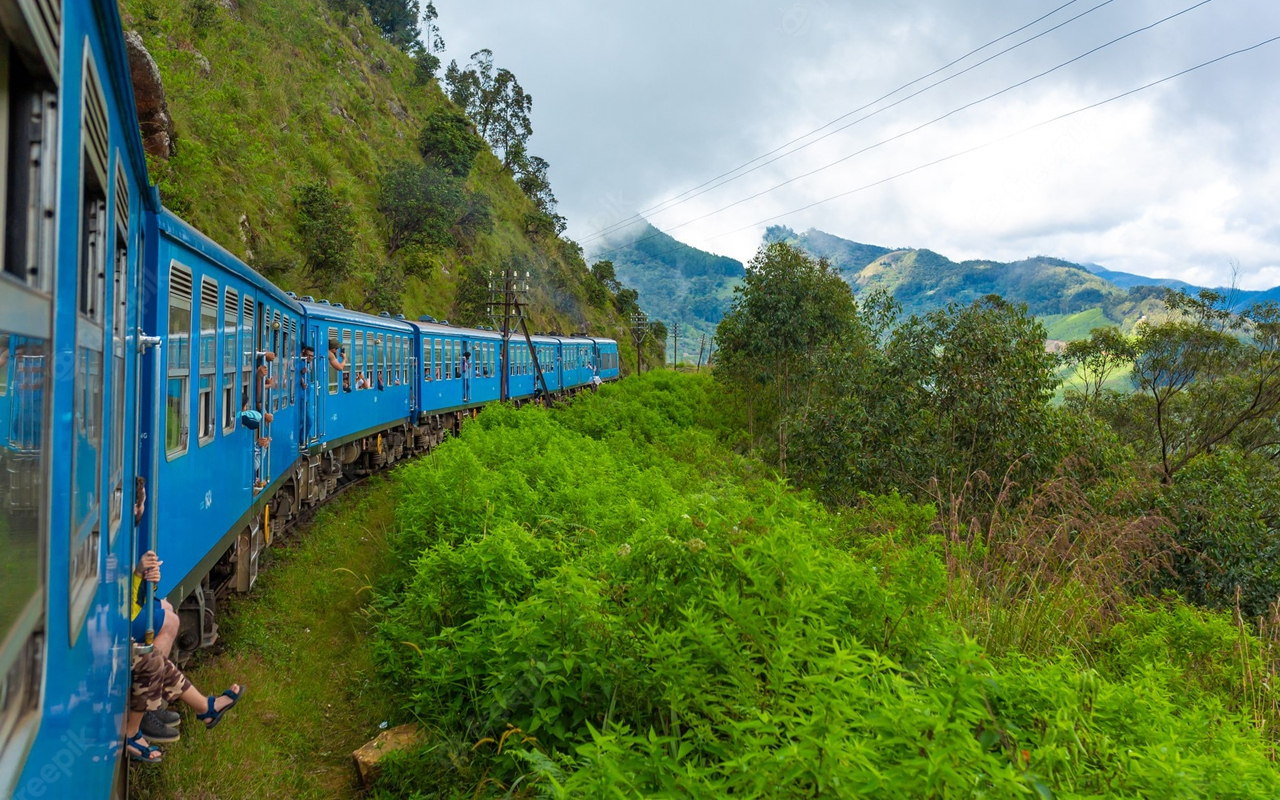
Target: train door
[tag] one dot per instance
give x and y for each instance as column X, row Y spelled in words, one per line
column 312, row 396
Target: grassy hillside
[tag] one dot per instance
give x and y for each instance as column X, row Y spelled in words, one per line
column 269, row 95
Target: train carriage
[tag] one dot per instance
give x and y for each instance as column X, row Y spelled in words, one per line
column 523, row 380
column 230, row 346
column 372, row 390
column 74, row 194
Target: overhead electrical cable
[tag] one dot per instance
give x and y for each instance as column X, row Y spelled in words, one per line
column 921, row 126
column 706, row 186
column 985, row 145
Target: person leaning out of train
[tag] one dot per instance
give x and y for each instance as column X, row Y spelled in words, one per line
column 156, row 681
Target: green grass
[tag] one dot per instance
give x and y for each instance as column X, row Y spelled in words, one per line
column 1070, row 327
column 299, row 643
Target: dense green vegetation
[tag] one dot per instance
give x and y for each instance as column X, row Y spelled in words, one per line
column 312, row 139
column 607, row 600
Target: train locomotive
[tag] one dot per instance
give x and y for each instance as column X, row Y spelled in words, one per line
column 132, row 346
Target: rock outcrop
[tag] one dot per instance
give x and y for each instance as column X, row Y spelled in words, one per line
column 367, row 757
column 148, row 94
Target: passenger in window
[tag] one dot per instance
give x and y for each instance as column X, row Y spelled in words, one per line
column 360, row 381
column 304, row 382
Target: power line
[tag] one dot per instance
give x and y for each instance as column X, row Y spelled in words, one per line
column 1005, row 138
column 985, row 145
column 680, row 199
column 919, row 127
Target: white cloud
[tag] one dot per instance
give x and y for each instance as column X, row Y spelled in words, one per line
column 636, row 103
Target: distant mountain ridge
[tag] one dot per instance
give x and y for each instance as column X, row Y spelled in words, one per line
column 679, row 283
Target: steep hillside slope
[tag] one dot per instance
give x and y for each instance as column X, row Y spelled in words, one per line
column 268, row 96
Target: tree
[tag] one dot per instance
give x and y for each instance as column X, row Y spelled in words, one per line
column 326, row 227
column 606, row 275
column 1207, row 377
column 495, row 102
column 397, row 20
column 384, row 287
column 427, row 58
column 1097, row 358
column 536, row 186
column 420, row 204
column 449, row 141
column 787, row 310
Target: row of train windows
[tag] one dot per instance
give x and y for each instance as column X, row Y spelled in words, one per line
column 363, row 360
column 449, row 359
column 522, row 359
column 608, row 361
column 257, row 370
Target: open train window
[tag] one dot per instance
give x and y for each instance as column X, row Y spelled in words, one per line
column 247, row 322
column 349, row 358
column 91, row 265
column 206, row 412
column 276, row 368
column 177, row 408
column 230, row 310
column 119, row 322
column 331, row 343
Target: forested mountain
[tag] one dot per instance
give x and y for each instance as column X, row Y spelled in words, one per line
column 312, row 139
column 677, row 283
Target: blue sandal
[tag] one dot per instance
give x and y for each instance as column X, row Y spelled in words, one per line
column 144, row 752
column 213, row 716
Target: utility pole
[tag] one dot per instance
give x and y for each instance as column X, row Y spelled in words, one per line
column 675, row 345
column 509, row 302
column 701, row 347
column 639, row 332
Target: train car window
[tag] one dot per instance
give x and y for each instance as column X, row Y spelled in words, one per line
column 331, row 345
column 379, row 360
column 230, row 309
column 439, row 360
column 120, row 311
column 179, row 365
column 286, row 362
column 30, row 151
column 29, row 146
column 275, row 368
column 248, row 322
column 291, row 357
column 87, row 422
column 349, row 358
column 359, row 360
column 206, row 412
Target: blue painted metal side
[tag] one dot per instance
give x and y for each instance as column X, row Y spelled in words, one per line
column 72, row 421
column 375, row 391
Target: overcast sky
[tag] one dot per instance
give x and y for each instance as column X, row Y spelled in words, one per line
column 637, row 102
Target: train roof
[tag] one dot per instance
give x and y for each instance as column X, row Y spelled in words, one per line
column 350, row 316
column 179, row 229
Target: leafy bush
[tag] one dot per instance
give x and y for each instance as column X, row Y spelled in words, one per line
column 605, row 601
column 449, row 141
column 325, row 226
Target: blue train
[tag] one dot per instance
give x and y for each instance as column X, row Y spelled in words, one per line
column 130, row 346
